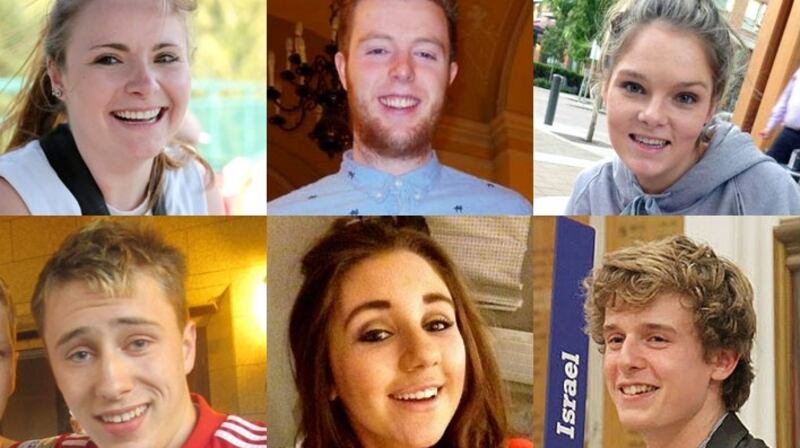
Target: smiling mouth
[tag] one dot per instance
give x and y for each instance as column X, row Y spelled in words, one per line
column 637, row 389
column 124, row 417
column 140, row 116
column 427, row 394
column 649, row 142
column 399, row 102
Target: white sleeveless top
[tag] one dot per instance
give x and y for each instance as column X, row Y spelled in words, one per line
column 29, row 172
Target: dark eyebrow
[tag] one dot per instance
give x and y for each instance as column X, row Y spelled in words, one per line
column 385, row 304
column 123, row 47
column 683, row 85
column 81, row 331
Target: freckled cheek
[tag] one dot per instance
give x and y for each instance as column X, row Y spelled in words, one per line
column 454, row 355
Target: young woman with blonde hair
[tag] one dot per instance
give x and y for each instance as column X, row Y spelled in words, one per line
column 92, row 130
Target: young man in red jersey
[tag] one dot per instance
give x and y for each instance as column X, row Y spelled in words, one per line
column 110, row 307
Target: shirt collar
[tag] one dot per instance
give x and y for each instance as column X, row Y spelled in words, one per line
column 714, row 429
column 380, row 184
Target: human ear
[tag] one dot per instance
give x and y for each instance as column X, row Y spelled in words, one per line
column 453, row 72
column 724, row 362
column 188, row 344
column 14, row 362
column 56, row 79
column 341, row 67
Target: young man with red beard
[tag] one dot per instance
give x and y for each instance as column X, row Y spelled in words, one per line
column 675, row 324
column 110, row 306
column 396, row 61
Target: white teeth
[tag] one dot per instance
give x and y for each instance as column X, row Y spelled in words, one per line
column 423, row 394
column 127, row 416
column 396, row 102
column 138, row 115
column 637, row 389
column 650, row 141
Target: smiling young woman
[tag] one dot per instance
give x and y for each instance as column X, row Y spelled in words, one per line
column 388, row 348
column 92, row 131
column 665, row 68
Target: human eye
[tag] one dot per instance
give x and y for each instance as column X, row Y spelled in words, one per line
column 686, row 98
column 428, row 55
column 374, row 335
column 657, row 340
column 377, row 51
column 107, row 60
column 437, row 325
column 166, row 58
column 139, row 345
column 79, row 356
column 614, row 341
column 632, row 87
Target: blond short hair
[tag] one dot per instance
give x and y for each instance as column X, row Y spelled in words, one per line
column 715, row 290
column 106, row 255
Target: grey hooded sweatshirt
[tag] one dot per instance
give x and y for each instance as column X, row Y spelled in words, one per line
column 732, row 178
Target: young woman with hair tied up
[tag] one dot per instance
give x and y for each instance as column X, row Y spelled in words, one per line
column 93, row 129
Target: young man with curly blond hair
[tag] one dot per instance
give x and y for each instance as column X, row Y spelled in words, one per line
column 675, row 324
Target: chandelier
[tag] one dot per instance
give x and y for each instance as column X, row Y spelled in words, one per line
column 316, row 90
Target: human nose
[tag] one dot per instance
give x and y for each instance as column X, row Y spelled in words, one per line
column 419, row 352
column 653, row 113
column 402, row 67
column 115, row 378
column 142, row 80
column 630, row 356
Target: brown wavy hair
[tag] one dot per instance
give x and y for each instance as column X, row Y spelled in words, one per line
column 34, row 112
column 715, row 289
column 347, row 7
column 480, row 419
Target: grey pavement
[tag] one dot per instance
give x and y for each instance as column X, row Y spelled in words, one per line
column 561, row 151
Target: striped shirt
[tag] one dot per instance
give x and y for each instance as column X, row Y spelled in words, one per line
column 212, row 430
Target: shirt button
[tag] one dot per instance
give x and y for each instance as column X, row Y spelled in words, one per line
column 379, row 195
column 417, row 196
column 398, row 183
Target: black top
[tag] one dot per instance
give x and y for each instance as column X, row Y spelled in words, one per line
column 733, row 434
column 62, row 153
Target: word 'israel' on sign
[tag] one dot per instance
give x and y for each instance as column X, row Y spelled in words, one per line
column 568, row 406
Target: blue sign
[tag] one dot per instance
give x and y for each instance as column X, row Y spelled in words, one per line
column 565, row 414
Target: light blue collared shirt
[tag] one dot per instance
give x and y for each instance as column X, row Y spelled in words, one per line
column 432, row 189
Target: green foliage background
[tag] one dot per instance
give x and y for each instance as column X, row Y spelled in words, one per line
column 230, row 37
column 578, row 22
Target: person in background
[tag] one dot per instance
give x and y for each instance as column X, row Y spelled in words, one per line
column 8, row 354
column 785, row 114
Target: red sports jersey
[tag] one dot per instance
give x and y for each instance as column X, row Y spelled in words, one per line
column 213, row 430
